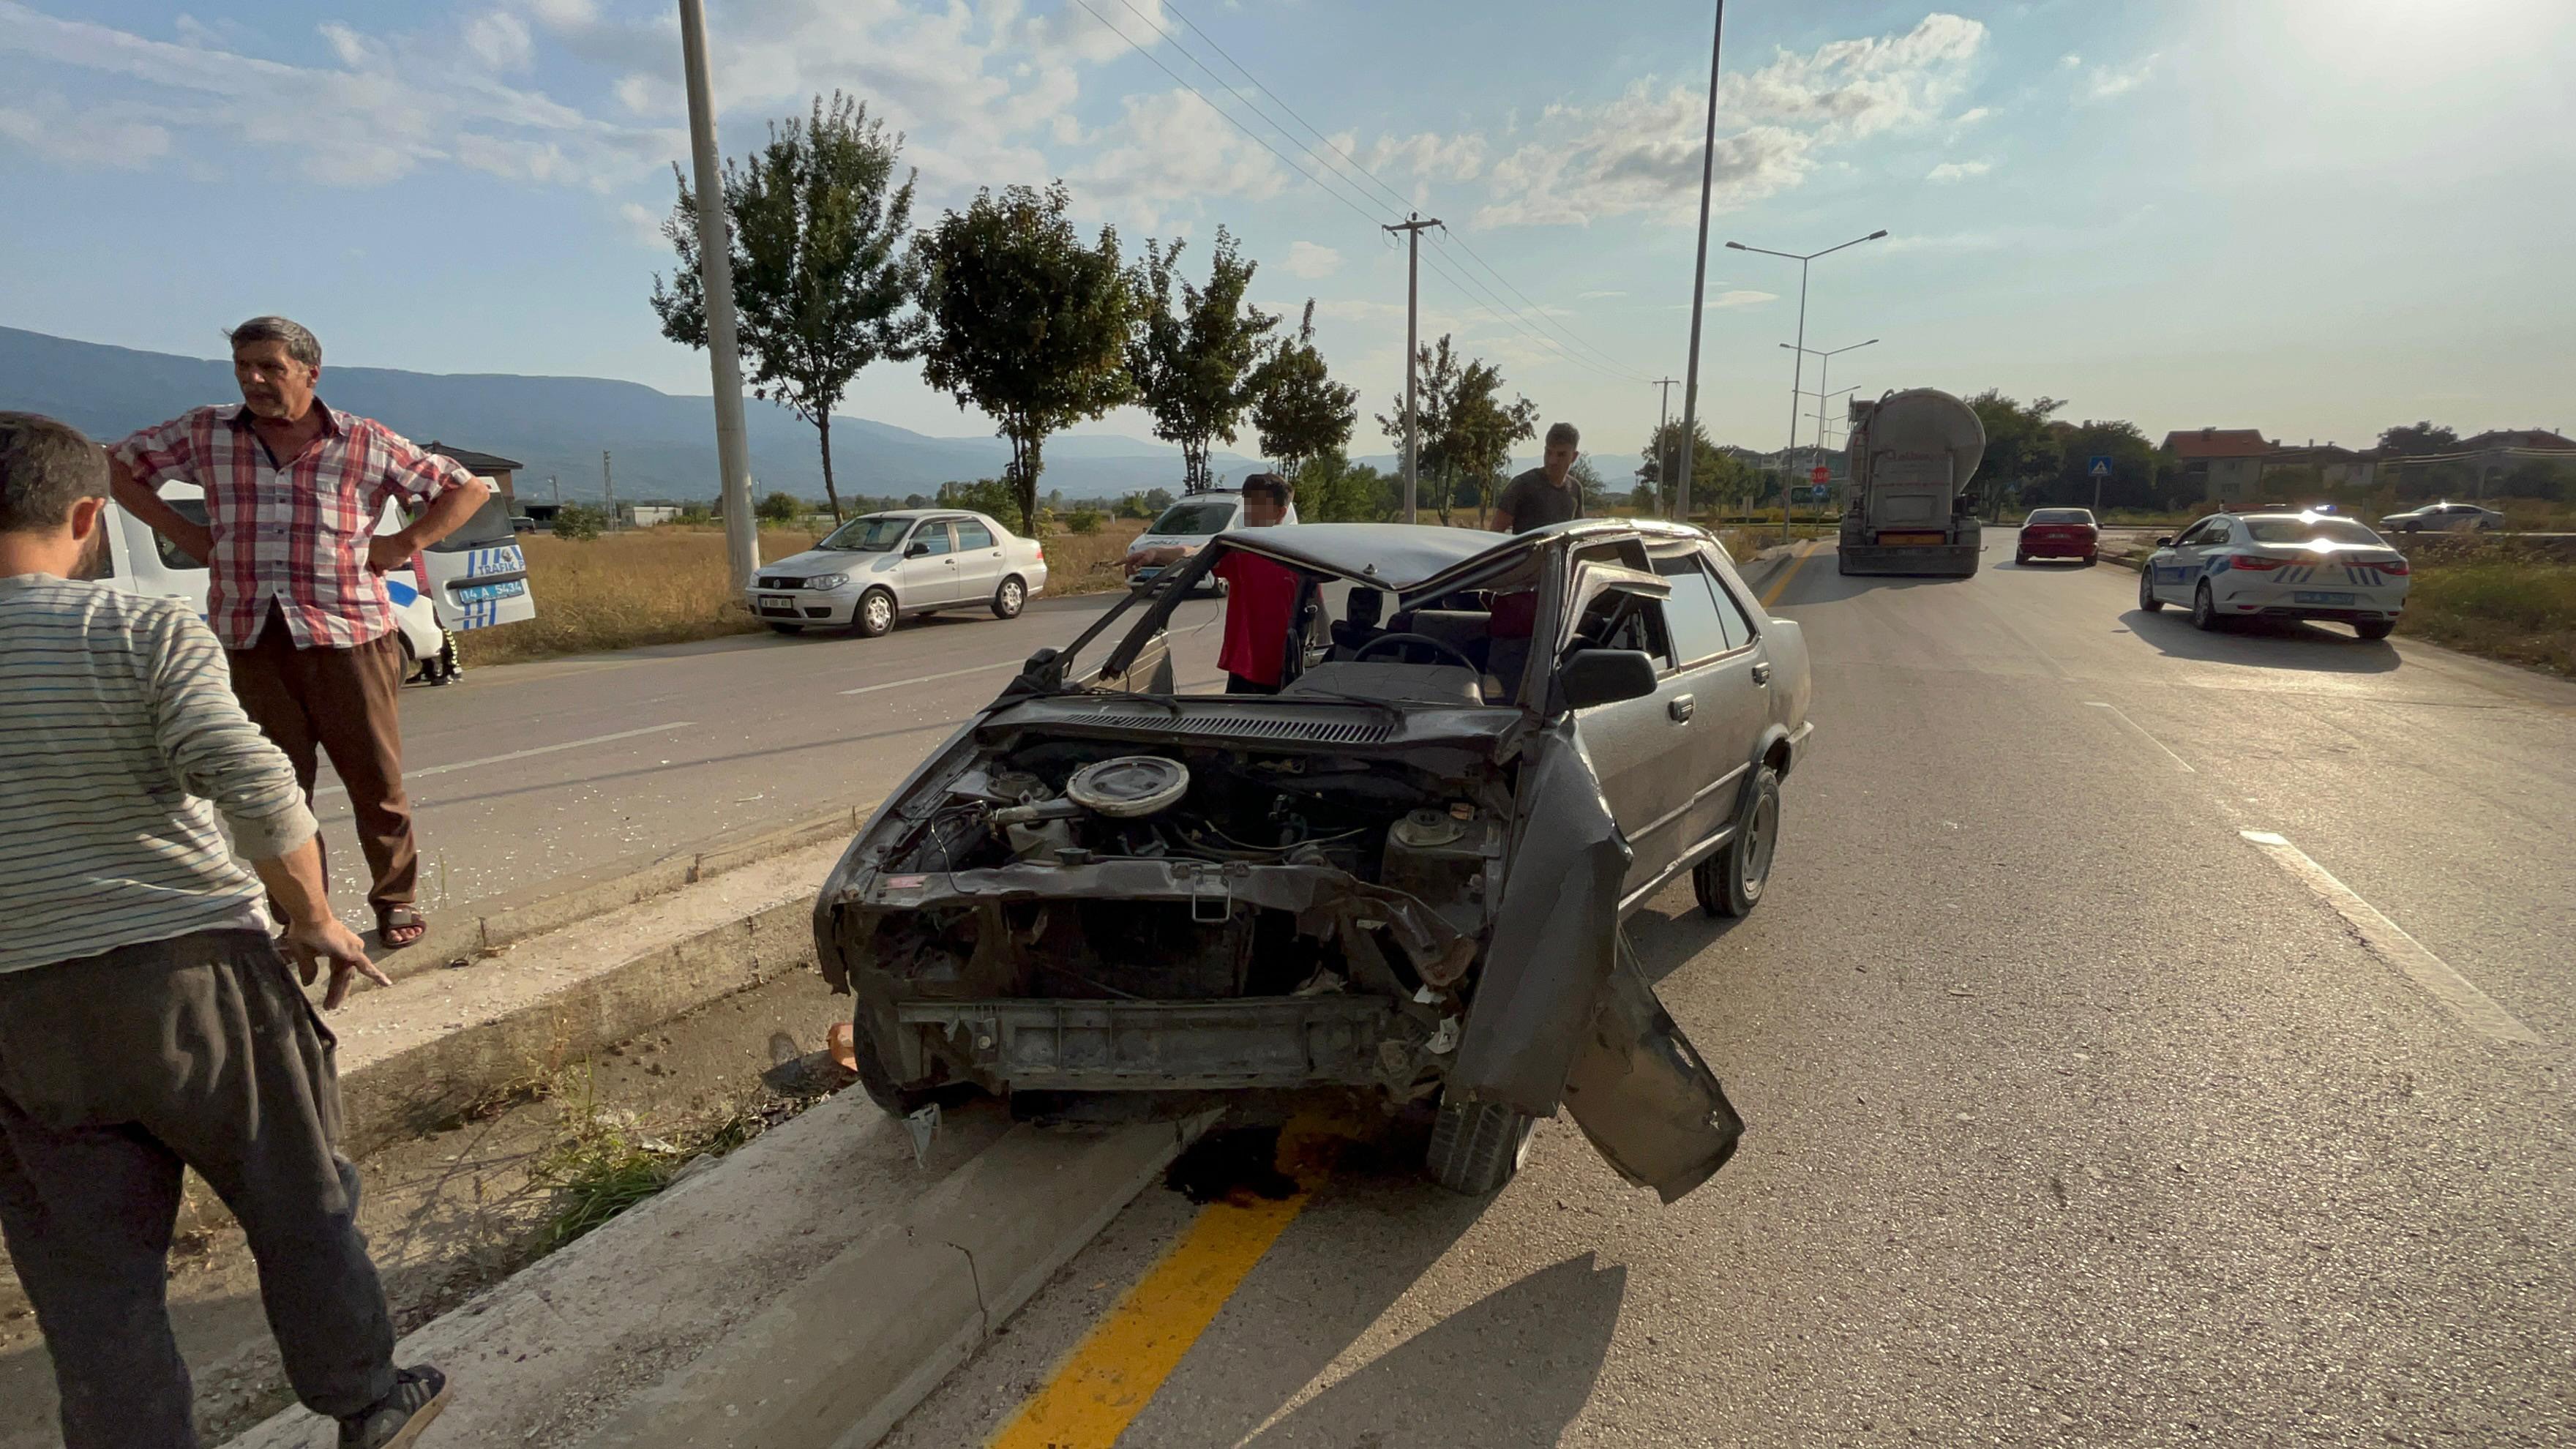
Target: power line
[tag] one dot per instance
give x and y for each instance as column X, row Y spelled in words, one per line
column 1534, row 306
column 1400, row 201
column 1229, row 115
column 1604, row 364
column 1541, row 339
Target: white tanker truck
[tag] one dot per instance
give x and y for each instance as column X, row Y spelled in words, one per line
column 1912, row 454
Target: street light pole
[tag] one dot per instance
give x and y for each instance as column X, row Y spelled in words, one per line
column 1699, row 274
column 715, row 275
column 1798, row 375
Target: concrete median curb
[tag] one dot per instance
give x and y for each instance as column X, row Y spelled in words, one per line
column 517, row 916
column 836, row 1362
column 1757, row 570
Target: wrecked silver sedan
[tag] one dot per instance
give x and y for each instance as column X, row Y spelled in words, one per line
column 1403, row 874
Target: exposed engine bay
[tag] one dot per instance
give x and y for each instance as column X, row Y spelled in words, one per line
column 1346, row 898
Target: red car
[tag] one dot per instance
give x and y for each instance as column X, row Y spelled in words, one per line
column 2058, row 533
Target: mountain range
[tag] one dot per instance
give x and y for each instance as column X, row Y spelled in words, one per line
column 660, row 445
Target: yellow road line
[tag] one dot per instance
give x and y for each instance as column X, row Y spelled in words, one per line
column 1791, row 572
column 1108, row 1379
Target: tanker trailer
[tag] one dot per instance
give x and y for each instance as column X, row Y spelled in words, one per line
column 1911, row 456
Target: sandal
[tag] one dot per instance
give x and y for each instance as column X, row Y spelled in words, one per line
column 400, row 926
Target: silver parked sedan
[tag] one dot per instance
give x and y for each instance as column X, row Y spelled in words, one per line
column 2444, row 518
column 881, row 567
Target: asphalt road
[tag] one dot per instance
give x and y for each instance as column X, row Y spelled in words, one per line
column 2076, row 1117
column 522, row 773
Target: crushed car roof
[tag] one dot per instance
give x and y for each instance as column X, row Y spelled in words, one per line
column 1400, row 556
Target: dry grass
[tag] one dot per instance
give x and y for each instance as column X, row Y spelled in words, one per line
column 1087, row 563
column 2518, row 606
column 649, row 586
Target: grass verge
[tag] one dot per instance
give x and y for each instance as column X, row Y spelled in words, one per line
column 2519, row 608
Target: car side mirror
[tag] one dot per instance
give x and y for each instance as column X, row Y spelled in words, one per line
column 916, row 550
column 1606, row 676
column 2165, row 542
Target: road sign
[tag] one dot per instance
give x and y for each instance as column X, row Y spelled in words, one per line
column 1820, row 474
column 2100, row 466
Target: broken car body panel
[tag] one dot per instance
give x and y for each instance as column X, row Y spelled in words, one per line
column 1401, row 874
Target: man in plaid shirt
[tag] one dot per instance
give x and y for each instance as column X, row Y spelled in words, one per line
column 293, row 489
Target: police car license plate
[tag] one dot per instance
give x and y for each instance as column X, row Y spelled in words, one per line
column 2306, row 596
column 484, row 593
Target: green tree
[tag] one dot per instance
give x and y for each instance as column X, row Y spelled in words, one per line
column 1587, row 480
column 1196, row 359
column 2022, row 453
column 1435, row 370
column 2417, row 439
column 1297, row 408
column 1713, row 474
column 780, row 508
column 579, row 520
column 1026, row 323
column 1333, row 489
column 985, row 495
column 2133, row 481
column 818, row 283
column 1481, row 431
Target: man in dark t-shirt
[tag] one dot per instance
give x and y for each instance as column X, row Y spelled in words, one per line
column 1260, row 596
column 1545, row 494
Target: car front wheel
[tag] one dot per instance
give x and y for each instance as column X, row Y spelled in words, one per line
column 2204, row 607
column 1730, row 883
column 1476, row 1147
column 1010, row 598
column 874, row 615
column 2147, row 599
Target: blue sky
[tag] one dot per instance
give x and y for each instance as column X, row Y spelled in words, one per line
column 2316, row 217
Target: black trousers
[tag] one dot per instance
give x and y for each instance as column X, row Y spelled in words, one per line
column 1237, row 684
column 115, row 1071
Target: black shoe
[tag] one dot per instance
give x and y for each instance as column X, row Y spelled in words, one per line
column 397, row 1419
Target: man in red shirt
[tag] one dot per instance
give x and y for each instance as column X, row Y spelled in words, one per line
column 1261, row 595
column 294, row 590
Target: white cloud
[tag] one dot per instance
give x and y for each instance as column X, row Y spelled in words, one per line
column 2069, row 61
column 1959, row 170
column 1972, row 116
column 1428, row 155
column 1169, row 148
column 565, row 14
column 84, row 142
column 2103, row 82
column 1305, row 259
column 386, row 106
column 1641, row 151
column 644, row 224
column 1591, row 296
column 501, row 40
column 1742, row 298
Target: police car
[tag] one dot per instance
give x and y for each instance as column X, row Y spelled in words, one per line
column 2303, row 565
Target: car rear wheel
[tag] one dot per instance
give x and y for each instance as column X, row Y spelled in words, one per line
column 2090, row 560
column 1476, row 1147
column 874, row 615
column 2147, row 599
column 2022, row 559
column 2204, row 608
column 2375, row 628
column 1010, row 598
column 1730, row 883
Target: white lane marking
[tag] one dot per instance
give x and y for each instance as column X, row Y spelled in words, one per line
column 2123, row 717
column 2392, row 943
column 410, row 775
column 935, row 678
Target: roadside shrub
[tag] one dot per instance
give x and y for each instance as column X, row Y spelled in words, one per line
column 1084, row 520
column 579, row 520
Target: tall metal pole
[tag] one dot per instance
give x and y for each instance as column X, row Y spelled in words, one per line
column 1797, row 380
column 1699, row 274
column 1412, row 227
column 715, row 274
column 1663, row 439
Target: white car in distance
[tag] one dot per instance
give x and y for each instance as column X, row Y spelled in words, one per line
column 881, row 567
column 1189, row 524
column 2278, row 566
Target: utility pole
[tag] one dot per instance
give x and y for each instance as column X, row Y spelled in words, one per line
column 715, row 272
column 608, row 489
column 1699, row 272
column 1412, row 227
column 1664, row 443
column 556, row 484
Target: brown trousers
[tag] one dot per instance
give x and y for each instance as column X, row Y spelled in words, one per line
column 115, row 1070
column 347, row 702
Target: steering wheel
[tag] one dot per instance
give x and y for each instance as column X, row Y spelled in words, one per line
column 1411, row 641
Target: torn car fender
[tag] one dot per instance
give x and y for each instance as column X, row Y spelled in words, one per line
column 1643, row 1095
column 1554, row 938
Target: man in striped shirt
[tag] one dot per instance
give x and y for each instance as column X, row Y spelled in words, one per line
column 146, row 1019
column 293, row 489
